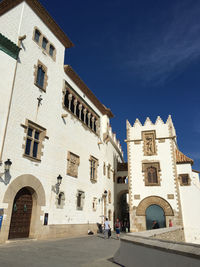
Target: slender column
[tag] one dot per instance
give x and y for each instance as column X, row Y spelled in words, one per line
column 93, row 118
column 97, row 126
column 75, row 105
column 70, row 101
column 84, row 112
column 80, row 109
column 89, row 116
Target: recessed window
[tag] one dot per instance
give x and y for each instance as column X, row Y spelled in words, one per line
column 41, row 76
column 51, row 50
column 93, row 168
column 37, row 36
column 151, row 173
column 34, row 138
column 184, row 179
column 44, row 43
column 80, row 200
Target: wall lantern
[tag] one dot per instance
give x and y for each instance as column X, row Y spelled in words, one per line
column 105, row 193
column 6, row 173
column 59, row 181
column 7, row 165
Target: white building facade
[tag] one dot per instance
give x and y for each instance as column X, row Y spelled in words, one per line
column 51, row 126
column 162, row 185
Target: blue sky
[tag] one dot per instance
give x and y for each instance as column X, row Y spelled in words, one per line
column 141, row 58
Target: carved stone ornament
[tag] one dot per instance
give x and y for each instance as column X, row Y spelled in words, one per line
column 73, row 163
column 149, row 143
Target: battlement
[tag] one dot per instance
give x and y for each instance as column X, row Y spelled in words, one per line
column 163, row 129
column 148, row 122
column 110, row 136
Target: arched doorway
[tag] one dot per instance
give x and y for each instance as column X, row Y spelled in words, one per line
column 21, row 214
column 155, row 213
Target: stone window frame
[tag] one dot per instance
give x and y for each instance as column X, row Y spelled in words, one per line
column 40, row 64
column 104, row 168
column 30, row 124
column 109, row 215
column 181, row 179
column 145, row 150
column 94, row 204
column 108, row 170
column 109, row 197
column 85, row 112
column 80, row 196
column 47, row 50
column 96, row 164
column 145, row 166
column 69, row 162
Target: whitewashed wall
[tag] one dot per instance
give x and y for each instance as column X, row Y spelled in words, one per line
column 190, row 197
column 66, row 136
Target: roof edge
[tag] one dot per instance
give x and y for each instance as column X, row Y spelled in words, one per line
column 182, row 158
column 79, row 82
column 43, row 14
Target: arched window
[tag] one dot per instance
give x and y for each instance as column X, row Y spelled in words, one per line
column 152, row 175
column 61, row 199
column 119, row 180
column 109, row 215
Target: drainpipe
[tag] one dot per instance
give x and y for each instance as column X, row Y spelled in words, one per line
column 20, row 39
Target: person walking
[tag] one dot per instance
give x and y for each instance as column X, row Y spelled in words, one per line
column 117, row 228
column 106, row 228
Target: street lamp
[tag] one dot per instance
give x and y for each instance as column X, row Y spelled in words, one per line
column 7, row 165
column 59, row 180
column 105, row 193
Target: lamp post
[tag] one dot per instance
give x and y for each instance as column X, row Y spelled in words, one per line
column 59, row 181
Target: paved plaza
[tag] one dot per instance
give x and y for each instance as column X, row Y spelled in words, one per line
column 86, row 251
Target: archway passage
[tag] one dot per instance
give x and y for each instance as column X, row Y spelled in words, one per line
column 123, row 210
column 21, row 214
column 155, row 213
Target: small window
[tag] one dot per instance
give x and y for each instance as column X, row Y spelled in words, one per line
column 51, row 50
column 184, row 179
column 108, row 172
column 37, row 36
column 104, row 168
column 94, row 204
column 40, row 76
column 109, row 196
column 152, row 175
column 79, row 201
column 93, row 168
column 44, row 43
column 109, row 215
column 33, row 143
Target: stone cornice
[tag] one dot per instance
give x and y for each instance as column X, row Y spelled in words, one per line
column 77, row 80
column 7, row 5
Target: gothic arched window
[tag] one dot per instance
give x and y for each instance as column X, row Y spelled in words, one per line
column 152, row 175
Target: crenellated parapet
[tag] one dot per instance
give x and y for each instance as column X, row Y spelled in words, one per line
column 109, row 135
column 163, row 129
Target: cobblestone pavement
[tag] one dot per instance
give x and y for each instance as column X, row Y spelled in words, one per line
column 89, row 251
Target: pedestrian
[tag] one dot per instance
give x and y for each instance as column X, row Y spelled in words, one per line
column 117, row 228
column 170, row 223
column 155, row 225
column 106, row 228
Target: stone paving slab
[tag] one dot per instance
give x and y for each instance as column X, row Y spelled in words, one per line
column 89, row 251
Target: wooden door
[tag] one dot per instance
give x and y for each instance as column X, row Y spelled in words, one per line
column 21, row 214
